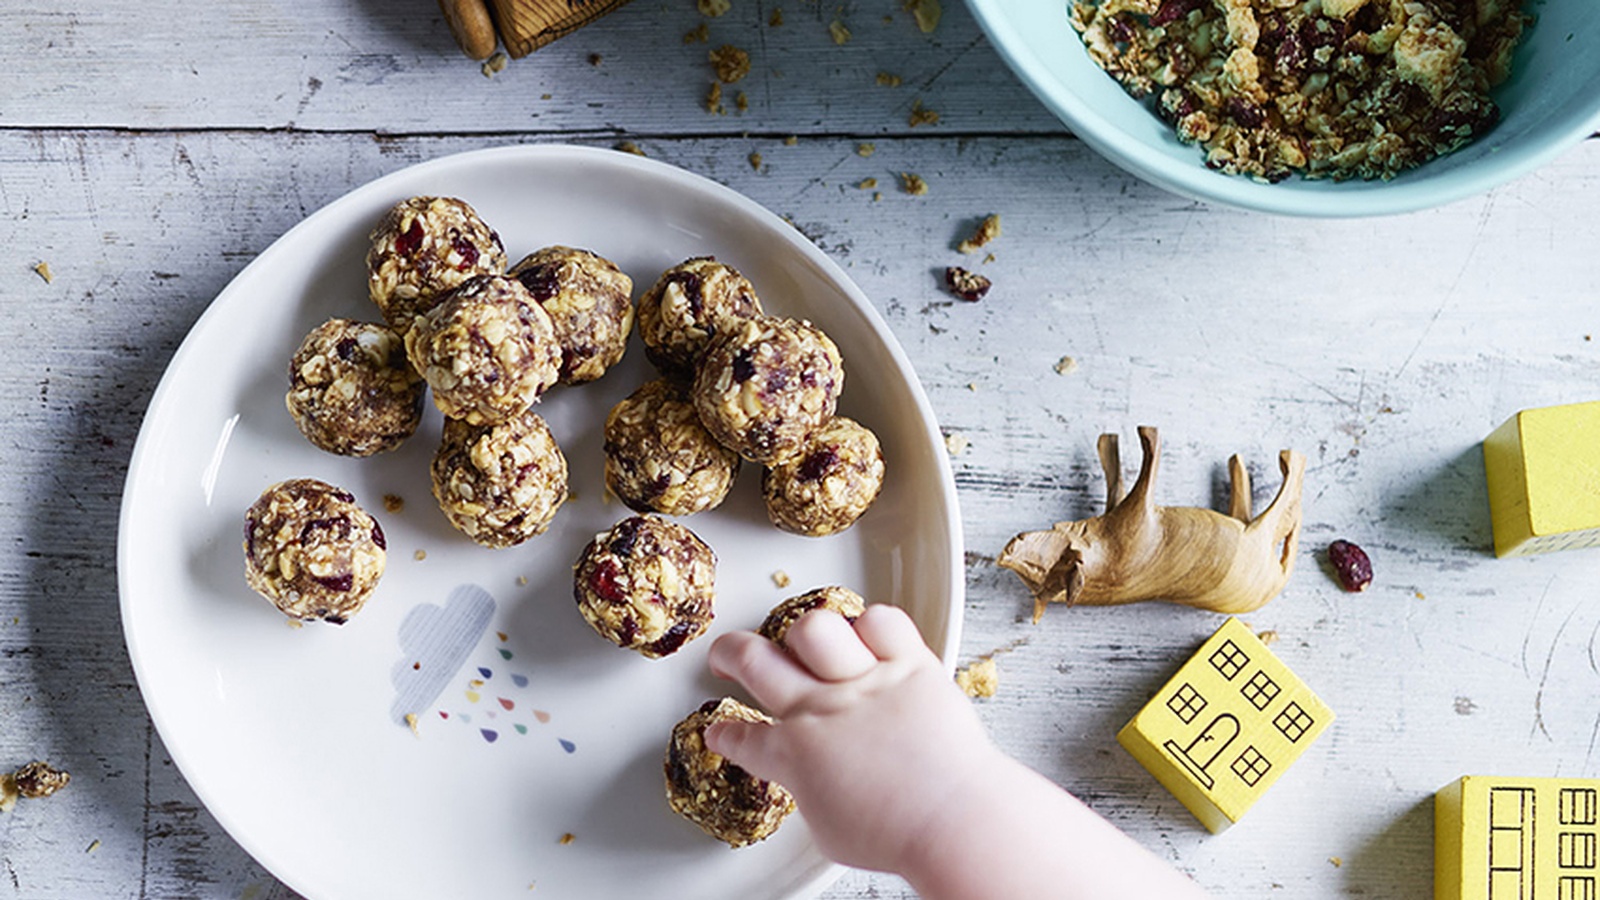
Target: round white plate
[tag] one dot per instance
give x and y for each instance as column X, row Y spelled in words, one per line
column 294, row 737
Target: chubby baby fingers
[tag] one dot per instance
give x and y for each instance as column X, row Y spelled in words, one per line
column 890, row 634
column 825, row 644
column 773, row 677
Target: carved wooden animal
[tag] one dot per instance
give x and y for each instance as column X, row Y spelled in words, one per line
column 1140, row 551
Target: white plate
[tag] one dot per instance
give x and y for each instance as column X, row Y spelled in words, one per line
column 291, row 736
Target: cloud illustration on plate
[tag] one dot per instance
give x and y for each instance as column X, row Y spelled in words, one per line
column 434, row 642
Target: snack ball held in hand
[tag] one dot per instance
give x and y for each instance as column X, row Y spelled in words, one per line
column 659, row 458
column 590, row 304
column 312, row 551
column 722, row 798
column 647, row 585
column 422, row 248
column 826, row 486
column 766, row 385
column 841, row 600
column 688, row 306
column 351, row 390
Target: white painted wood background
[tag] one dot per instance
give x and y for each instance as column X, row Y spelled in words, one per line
column 147, row 153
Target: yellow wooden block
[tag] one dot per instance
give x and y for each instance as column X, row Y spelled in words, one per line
column 1226, row 726
column 1543, row 469
column 1517, row 839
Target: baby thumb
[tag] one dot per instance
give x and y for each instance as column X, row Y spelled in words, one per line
column 746, row 744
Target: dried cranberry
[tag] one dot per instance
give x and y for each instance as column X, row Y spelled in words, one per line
column 1351, row 564
column 605, row 582
column 677, row 769
column 543, row 282
column 674, row 638
column 1244, row 112
column 408, row 242
column 777, row 381
column 344, row 496
column 744, row 367
column 336, row 526
column 250, row 537
column 624, row 536
column 346, row 348
column 694, row 290
column 628, row 631
column 1173, row 10
column 969, row 286
column 569, row 361
column 709, row 706
column 467, row 250
column 377, row 536
column 813, row 467
column 341, row 583
column 1121, row 30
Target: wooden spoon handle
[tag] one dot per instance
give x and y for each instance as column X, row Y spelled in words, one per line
column 470, row 23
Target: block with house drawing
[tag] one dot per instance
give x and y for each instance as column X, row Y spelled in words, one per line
column 1516, row 839
column 1226, row 726
column 1543, row 471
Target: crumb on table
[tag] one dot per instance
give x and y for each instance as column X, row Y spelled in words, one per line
column 986, row 231
column 780, row 578
column 980, row 679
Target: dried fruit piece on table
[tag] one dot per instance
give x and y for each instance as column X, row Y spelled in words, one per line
column 969, row 286
column 1351, row 564
column 34, row 780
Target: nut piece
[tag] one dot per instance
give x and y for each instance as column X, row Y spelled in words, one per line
column 424, row 247
column 969, row 286
column 659, row 458
column 590, row 304
column 499, row 484
column 726, row 801
column 312, row 551
column 351, row 389
column 691, row 303
column 1351, row 564
column 841, row 600
column 766, row 385
column 825, row 487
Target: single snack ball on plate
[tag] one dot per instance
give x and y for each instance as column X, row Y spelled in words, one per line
column 487, row 350
column 825, row 487
column 351, row 389
column 766, row 385
column 689, row 305
column 422, row 248
column 312, row 551
column 706, row 788
column 590, row 303
column 659, row 458
column 647, row 585
column 499, row 484
column 841, row 600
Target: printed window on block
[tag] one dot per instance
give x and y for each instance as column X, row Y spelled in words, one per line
column 1293, row 722
column 1260, row 690
column 1575, row 849
column 1251, row 766
column 1229, row 660
column 1186, row 703
column 1577, row 806
column 1575, row 887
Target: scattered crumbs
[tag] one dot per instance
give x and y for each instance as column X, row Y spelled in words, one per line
column 522, row 581
column 972, row 386
column 776, row 19
column 495, row 64
column 864, row 150
column 867, row 184
column 791, row 140
column 731, row 63
column 741, row 101
column 1588, row 337
column 295, row 623
column 393, row 503
column 780, row 578
column 841, row 34
column 956, row 443
column 8, row 793
column 1336, row 861
column 979, row 679
column 93, row 846
column 921, row 115
column 43, row 268
column 876, row 196
column 1268, row 637
column 411, row 722
column 987, row 230
column 713, row 8
column 714, row 98
column 988, row 258
column 926, row 12
column 1066, row 365
column 629, row 147
column 1465, row 706
column 969, row 286
column 420, row 555
column 546, row 96
column 1419, row 595
column 755, row 158
column 595, row 59
column 567, row 838
column 913, row 184
column 886, row 79
column 700, row 35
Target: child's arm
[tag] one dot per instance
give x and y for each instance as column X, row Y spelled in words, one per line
column 892, row 770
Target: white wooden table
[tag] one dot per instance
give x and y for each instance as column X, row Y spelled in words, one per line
column 147, row 153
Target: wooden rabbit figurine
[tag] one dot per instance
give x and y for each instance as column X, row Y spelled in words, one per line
column 1140, row 551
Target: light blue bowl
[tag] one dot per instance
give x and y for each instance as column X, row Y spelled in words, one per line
column 1550, row 102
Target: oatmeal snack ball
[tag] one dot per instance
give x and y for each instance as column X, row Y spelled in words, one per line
column 659, row 458
column 312, row 551
column 825, row 487
column 766, row 385
column 646, row 585
column 841, row 600
column 423, row 247
column 704, row 787
column 688, row 306
column 487, row 350
column 590, row 303
column 499, row 484
column 351, row 390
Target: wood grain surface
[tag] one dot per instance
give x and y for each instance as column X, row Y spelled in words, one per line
column 148, row 157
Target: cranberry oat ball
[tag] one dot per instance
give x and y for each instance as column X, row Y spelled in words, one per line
column 499, row 484
column 312, row 551
column 659, row 458
column 766, row 385
column 590, row 303
column 647, row 585
column 689, row 305
column 825, row 487
column 487, row 350
column 841, row 600
column 704, row 787
column 351, row 390
column 423, row 247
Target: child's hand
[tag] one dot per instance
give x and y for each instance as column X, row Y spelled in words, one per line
column 872, row 737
